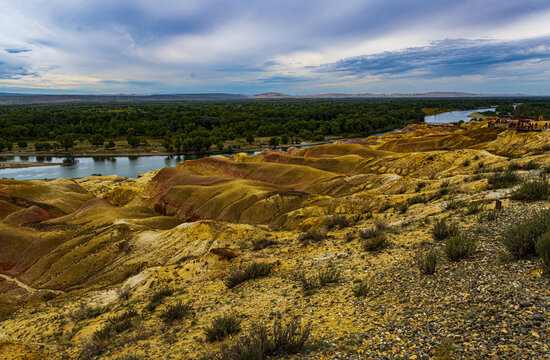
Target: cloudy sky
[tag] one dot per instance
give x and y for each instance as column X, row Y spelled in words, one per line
column 295, row 47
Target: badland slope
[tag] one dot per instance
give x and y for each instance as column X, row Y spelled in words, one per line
column 98, row 267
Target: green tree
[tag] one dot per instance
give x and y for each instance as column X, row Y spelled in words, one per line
column 249, row 138
column 285, row 138
column 22, row 144
column 133, row 141
column 110, row 145
column 97, row 140
column 274, row 141
column 66, row 140
column 167, row 144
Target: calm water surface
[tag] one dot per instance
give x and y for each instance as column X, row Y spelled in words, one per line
column 132, row 166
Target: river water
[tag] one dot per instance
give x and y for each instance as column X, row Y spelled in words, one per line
column 132, row 166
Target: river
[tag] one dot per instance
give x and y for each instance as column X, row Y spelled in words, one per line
column 132, row 166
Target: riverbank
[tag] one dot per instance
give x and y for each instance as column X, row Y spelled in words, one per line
column 20, row 165
column 157, row 153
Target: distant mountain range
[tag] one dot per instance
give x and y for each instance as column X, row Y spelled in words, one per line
column 14, row 99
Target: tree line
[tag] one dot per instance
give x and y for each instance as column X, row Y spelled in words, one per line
column 197, row 126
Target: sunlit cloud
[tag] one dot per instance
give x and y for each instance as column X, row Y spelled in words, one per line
column 247, row 46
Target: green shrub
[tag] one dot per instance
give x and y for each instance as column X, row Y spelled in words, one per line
column 520, row 238
column 427, row 262
column 459, row 246
column 454, row 204
column 176, row 312
column 503, row 180
column 329, row 275
column 261, row 244
column 514, row 167
column 260, row 343
column 323, row 277
column 531, row 191
column 542, row 247
column 252, row 271
column 114, row 325
column 337, row 221
column 223, row 326
column 474, row 207
column 402, row 207
column 157, row 298
column 312, row 236
column 442, row 230
column 376, row 243
column 361, row 290
column 418, row 199
column 531, row 165
column 369, row 233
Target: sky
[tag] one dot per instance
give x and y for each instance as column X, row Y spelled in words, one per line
column 292, row 47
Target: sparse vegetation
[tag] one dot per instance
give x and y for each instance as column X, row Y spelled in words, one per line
column 263, row 243
column 454, row 204
column 427, row 262
column 459, row 246
column 361, row 290
column 176, row 312
column 337, row 221
column 377, row 243
column 443, row 229
column 284, row 339
column 157, row 297
column 312, row 236
column 520, row 238
column 324, row 276
column 533, row 190
column 504, row 179
column 223, row 326
column 252, row 271
column 473, row 207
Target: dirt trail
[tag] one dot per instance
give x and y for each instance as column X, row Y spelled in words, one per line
column 25, row 286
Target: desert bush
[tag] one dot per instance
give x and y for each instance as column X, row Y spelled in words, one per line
column 252, row 271
column 329, row 275
column 261, row 244
column 324, row 276
column 369, row 233
column 531, row 191
column 520, row 238
column 466, row 163
column 223, row 326
column 531, row 165
column 418, row 199
column 542, row 247
column 176, row 312
column 85, row 311
column 402, row 207
column 514, row 167
column 454, row 204
column 312, row 236
column 503, row 179
column 473, row 207
column 420, row 185
column 337, row 221
column 545, row 170
column 284, row 339
column 490, row 215
column 157, row 297
column 380, row 224
column 376, row 243
column 361, row 290
column 459, row 246
column 123, row 292
column 427, row 262
column 443, row 229
column 115, row 325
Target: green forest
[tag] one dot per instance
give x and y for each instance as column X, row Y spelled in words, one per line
column 197, row 126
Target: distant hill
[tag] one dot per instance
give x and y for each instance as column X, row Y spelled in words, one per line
column 15, row 99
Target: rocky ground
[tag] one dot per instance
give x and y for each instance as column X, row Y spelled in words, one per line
column 486, row 306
